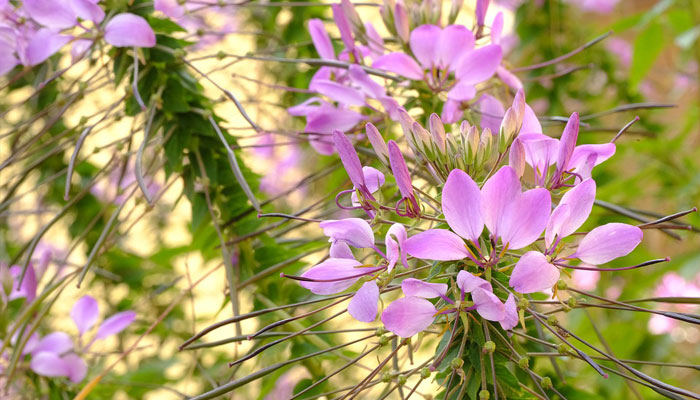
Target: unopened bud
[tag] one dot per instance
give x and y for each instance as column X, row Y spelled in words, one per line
column 401, row 22
column 378, row 143
column 456, row 363
column 386, row 377
column 489, row 347
column 519, row 108
column 561, row 285
column 437, row 130
column 572, row 302
column 380, row 331
column 508, row 130
column 524, row 363
column 454, row 11
column 402, row 379
column 425, row 373
column 523, row 303
column 384, row 340
column 431, row 11
column 421, row 136
column 484, row 395
column 546, row 383
column 472, row 142
column 552, row 320
column 516, row 157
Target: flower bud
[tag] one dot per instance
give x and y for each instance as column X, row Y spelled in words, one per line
column 508, row 130
column 437, row 130
column 519, row 108
column 384, row 340
column 456, row 363
column 380, row 331
column 552, row 320
column 401, row 22
column 402, row 379
column 472, row 143
column 523, row 303
column 425, row 373
column 572, row 302
column 386, row 10
column 378, row 144
column 524, row 363
column 561, row 285
column 546, row 383
column 431, row 11
column 484, row 395
column 454, row 11
column 421, row 136
column 387, row 377
column 481, row 7
column 489, row 347
column 516, row 157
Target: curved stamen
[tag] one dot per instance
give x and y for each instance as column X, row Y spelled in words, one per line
column 345, row 278
column 644, row 264
column 342, row 207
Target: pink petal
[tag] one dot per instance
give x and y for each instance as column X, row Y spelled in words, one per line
column 408, row 316
column 585, row 280
column 378, row 143
column 479, row 65
column 129, row 30
column 567, row 143
column 498, row 195
column 355, row 231
column 401, row 64
column 84, row 313
column 455, row 40
column 423, row 41
column 530, row 122
column 328, row 118
column 510, row 319
column 51, row 13
column 461, row 204
column 341, row 21
column 43, row 45
column 395, row 239
column 54, row 342
column 48, row 364
column 77, row 369
column 526, row 219
column 333, row 268
column 491, row 112
column 481, row 7
column 79, row 48
column 401, row 22
column 418, row 288
column 115, row 324
column 29, row 284
column 577, row 203
column 451, row 112
column 400, row 170
column 462, row 91
column 509, row 78
column 533, row 273
column 340, row 249
column 374, row 179
column 337, row 92
column 608, row 242
column 436, row 244
column 488, row 305
column 467, row 282
column 350, row 159
column 540, row 150
column 516, row 157
column 497, row 28
column 579, row 162
column 321, row 40
column 360, row 78
column 171, row 8
column 88, row 10
column 374, row 41
column 363, row 305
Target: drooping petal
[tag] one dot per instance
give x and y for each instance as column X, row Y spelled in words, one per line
column 337, row 92
column 510, row 318
column 328, row 118
column 51, row 13
column 363, row 305
column 362, row 79
column 608, row 242
column 48, row 364
column 77, row 369
column 567, row 143
column 408, row 316
column 451, row 111
column 29, row 284
column 129, row 30
column 79, row 48
column 400, row 170
column 401, row 64
column 54, row 342
column 455, row 40
column 461, row 204
column 374, row 41
column 343, row 24
column 350, row 159
column 587, row 156
column 84, row 313
column 424, row 45
column 498, row 195
column 321, row 40
column 479, row 65
column 333, row 268
column 578, row 203
column 509, row 78
column 533, row 273
column 43, row 45
column 340, row 249
column 540, row 150
column 374, row 179
column 355, row 231
column 115, row 324
column 467, row 282
column 488, row 305
column 526, row 219
column 436, row 244
column 418, row 288
column 462, row 91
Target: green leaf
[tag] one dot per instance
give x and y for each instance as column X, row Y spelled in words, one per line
column 164, row 25
column 647, row 48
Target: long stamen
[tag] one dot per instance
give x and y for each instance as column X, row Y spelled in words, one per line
column 644, row 264
column 304, row 279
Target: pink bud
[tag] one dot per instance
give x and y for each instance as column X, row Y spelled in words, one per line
column 401, row 22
